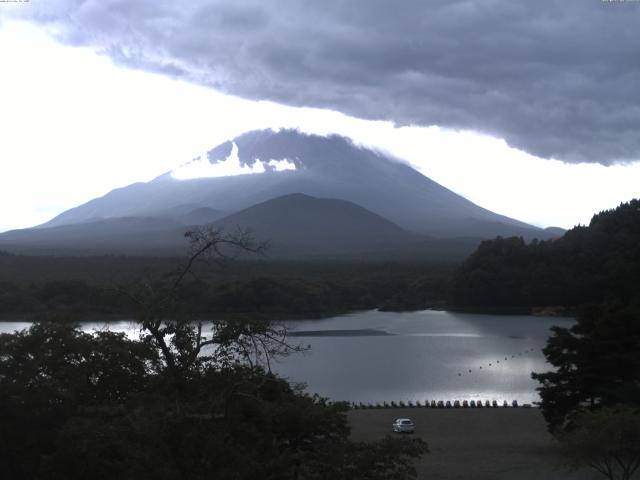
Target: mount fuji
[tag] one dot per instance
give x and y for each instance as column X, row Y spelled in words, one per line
column 306, row 193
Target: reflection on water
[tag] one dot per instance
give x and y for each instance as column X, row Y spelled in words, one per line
column 430, row 355
column 382, row 356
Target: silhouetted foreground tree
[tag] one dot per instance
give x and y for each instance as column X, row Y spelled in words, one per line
column 607, row 441
column 597, row 364
column 186, row 401
column 591, row 399
column 53, row 373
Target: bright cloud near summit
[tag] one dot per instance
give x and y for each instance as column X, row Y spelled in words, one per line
column 75, row 126
column 201, row 167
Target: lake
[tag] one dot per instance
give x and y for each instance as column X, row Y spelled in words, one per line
column 383, row 356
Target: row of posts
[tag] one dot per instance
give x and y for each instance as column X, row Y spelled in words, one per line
column 440, row 404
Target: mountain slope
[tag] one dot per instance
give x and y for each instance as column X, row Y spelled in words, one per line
column 123, row 234
column 161, row 234
column 326, row 167
column 296, row 226
column 298, row 223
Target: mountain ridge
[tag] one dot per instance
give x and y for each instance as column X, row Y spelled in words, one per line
column 331, row 169
column 326, row 167
column 296, row 226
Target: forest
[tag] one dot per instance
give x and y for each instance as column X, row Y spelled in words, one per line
column 86, row 288
column 588, row 265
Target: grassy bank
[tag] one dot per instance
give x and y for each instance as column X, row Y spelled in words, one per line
column 474, row 444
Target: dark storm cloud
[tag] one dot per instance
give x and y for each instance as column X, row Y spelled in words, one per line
column 557, row 78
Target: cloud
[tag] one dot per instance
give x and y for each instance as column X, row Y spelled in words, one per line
column 207, row 167
column 558, row 79
column 99, row 126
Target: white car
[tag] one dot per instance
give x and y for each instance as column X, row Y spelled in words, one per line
column 403, row 425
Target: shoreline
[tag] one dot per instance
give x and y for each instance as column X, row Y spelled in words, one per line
column 85, row 317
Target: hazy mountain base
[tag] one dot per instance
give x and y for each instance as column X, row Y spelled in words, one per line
column 296, row 226
column 435, row 250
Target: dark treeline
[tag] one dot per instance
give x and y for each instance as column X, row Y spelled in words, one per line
column 94, row 287
column 588, row 265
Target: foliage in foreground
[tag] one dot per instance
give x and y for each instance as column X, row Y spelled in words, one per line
column 606, row 440
column 597, row 364
column 75, row 405
column 182, row 402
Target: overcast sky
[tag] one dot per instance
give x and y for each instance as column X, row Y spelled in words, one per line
column 530, row 109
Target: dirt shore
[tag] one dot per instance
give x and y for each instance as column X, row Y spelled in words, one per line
column 475, row 444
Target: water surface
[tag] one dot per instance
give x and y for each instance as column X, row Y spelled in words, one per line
column 383, row 356
column 425, row 355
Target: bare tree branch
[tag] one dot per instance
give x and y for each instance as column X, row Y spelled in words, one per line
column 181, row 340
